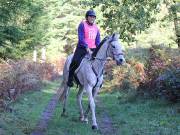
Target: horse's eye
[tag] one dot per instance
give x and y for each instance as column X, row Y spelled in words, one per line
column 113, row 46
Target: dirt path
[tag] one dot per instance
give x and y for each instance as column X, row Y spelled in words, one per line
column 42, row 124
column 105, row 121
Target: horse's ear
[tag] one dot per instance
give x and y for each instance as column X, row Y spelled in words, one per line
column 113, row 35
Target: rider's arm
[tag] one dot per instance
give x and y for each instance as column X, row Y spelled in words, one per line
column 98, row 38
column 81, row 36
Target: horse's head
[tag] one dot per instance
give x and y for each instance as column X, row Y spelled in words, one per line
column 115, row 49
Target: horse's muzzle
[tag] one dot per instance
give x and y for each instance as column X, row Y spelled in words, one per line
column 120, row 62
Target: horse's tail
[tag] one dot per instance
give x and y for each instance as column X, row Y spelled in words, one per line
column 63, row 91
column 64, row 88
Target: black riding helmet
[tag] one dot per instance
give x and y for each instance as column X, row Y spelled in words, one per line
column 90, row 13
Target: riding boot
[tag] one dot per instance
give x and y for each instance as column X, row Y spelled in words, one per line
column 72, row 68
column 70, row 80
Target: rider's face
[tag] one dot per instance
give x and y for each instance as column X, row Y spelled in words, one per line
column 91, row 19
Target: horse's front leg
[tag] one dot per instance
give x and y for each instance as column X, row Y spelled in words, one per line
column 94, row 92
column 92, row 106
column 79, row 102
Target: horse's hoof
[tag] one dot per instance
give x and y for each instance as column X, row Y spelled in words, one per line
column 94, row 127
column 81, row 119
column 86, row 120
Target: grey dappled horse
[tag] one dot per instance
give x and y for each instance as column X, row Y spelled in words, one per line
column 90, row 75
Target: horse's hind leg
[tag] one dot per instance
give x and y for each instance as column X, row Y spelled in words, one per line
column 66, row 90
column 79, row 102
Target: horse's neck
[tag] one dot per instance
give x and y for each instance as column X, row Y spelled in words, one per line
column 99, row 62
column 102, row 53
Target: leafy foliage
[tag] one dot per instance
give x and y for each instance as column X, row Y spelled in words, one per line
column 168, row 84
column 156, row 74
column 125, row 78
column 162, row 74
column 22, row 26
column 29, row 24
column 18, row 77
column 128, row 17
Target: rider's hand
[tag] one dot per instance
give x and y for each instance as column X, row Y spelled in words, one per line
column 89, row 51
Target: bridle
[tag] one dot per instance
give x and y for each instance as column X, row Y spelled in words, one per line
column 118, row 54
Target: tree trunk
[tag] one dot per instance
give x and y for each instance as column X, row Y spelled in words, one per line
column 43, row 55
column 176, row 24
column 34, row 55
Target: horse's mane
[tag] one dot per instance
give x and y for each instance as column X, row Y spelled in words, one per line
column 99, row 46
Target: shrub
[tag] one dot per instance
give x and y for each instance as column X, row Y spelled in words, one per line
column 162, row 74
column 17, row 77
column 125, row 77
column 168, row 84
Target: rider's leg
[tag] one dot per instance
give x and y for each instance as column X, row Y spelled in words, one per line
column 78, row 55
column 72, row 68
column 93, row 54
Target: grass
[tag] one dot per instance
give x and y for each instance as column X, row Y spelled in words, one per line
column 69, row 125
column 142, row 117
column 129, row 117
column 26, row 111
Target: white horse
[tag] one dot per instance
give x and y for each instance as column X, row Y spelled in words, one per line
column 90, row 75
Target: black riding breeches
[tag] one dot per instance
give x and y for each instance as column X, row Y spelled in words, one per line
column 79, row 54
column 76, row 60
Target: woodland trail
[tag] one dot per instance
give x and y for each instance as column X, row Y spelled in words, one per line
column 105, row 122
column 47, row 114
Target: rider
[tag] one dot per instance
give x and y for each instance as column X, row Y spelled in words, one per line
column 88, row 40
